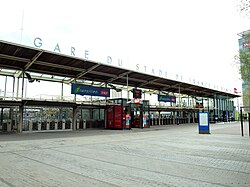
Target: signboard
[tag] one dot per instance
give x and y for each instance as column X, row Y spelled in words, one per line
column 173, row 99
column 137, row 93
column 167, row 98
column 235, row 90
column 199, row 105
column 137, row 101
column 90, row 90
column 204, row 123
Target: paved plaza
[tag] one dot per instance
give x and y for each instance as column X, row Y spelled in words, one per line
column 169, row 155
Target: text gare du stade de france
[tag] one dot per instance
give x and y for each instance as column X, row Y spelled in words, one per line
column 38, row 42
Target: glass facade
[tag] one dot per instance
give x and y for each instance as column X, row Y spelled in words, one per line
column 244, row 47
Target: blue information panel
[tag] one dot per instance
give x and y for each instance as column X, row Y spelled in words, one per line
column 204, row 123
column 90, row 90
column 166, row 98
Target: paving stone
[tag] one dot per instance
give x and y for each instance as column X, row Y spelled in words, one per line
column 158, row 156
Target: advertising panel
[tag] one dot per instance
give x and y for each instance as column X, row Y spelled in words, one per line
column 90, row 90
column 204, row 123
column 167, row 98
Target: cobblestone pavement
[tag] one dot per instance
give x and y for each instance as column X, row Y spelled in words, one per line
column 159, row 156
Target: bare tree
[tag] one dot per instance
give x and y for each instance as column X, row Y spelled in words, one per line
column 244, row 7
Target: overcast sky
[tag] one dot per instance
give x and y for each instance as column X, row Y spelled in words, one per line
column 193, row 38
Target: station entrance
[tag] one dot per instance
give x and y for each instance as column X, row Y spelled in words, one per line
column 93, row 117
column 136, row 113
column 140, row 114
column 42, row 118
column 8, row 118
column 61, row 117
column 84, row 108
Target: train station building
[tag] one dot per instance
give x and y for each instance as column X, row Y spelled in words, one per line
column 102, row 95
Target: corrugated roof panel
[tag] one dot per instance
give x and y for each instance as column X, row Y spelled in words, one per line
column 18, row 57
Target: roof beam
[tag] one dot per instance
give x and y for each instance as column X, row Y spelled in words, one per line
column 4, row 66
column 32, row 61
column 84, row 72
column 119, row 76
column 8, row 57
column 59, row 66
column 48, row 79
column 6, row 73
column 148, row 82
column 172, row 86
column 114, row 77
column 47, row 72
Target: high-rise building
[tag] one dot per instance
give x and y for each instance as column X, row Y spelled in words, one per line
column 244, row 47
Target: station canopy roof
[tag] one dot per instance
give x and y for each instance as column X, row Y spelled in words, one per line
column 46, row 65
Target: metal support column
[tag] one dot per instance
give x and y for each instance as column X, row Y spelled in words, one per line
column 179, row 112
column 1, row 118
column 218, row 108
column 174, row 116
column 13, row 88
column 5, row 87
column 62, row 92
column 202, row 104
column 159, row 118
column 127, row 89
column 75, row 94
column 214, row 103
column 22, row 85
column 17, row 89
column 241, row 122
column 20, row 124
column 106, row 100
column 179, row 96
column 74, row 118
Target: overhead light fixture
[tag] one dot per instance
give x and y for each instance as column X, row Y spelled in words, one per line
column 115, row 88
column 29, row 77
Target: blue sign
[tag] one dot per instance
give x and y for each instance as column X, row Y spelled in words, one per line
column 204, row 123
column 167, row 98
column 89, row 90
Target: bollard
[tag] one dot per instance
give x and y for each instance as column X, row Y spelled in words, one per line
column 77, row 124
column 8, row 126
column 84, row 123
column 30, row 125
column 56, row 125
column 39, row 125
column 48, row 125
column 70, row 124
column 63, row 124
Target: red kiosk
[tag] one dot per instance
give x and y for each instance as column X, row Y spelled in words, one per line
column 127, row 113
column 116, row 119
